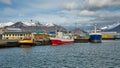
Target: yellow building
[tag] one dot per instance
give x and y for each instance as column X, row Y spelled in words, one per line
column 108, row 35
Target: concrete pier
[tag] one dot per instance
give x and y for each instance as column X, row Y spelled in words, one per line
column 8, row 43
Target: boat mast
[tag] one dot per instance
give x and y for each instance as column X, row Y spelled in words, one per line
column 95, row 29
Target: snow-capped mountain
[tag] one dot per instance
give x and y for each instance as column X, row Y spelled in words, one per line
column 26, row 26
column 18, row 24
column 6, row 24
column 32, row 23
column 28, row 23
column 110, row 26
column 49, row 24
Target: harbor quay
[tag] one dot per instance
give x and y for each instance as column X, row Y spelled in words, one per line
column 38, row 40
column 18, row 38
column 14, row 43
column 15, row 37
column 8, row 43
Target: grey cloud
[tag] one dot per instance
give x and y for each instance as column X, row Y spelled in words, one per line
column 91, row 4
column 6, row 1
column 103, row 3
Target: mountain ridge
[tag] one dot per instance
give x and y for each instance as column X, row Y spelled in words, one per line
column 36, row 27
column 112, row 28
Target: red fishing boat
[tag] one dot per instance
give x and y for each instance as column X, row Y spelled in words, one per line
column 62, row 38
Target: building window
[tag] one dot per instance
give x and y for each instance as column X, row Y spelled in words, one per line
column 6, row 34
column 20, row 38
column 13, row 34
column 6, row 37
column 20, row 34
column 9, row 34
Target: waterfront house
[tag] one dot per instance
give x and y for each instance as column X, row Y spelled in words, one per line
column 15, row 35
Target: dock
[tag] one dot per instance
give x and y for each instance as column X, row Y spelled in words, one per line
column 8, row 43
column 81, row 40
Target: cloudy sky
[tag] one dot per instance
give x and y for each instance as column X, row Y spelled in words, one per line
column 60, row 11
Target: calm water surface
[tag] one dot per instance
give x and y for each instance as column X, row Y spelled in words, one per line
column 78, row 55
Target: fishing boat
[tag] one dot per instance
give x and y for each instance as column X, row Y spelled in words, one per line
column 62, row 38
column 26, row 41
column 95, row 37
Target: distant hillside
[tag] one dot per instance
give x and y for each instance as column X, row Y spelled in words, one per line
column 36, row 27
column 79, row 31
column 114, row 29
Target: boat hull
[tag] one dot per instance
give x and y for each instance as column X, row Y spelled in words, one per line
column 56, row 41
column 95, row 38
column 26, row 42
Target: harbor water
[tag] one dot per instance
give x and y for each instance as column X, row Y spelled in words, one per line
column 77, row 55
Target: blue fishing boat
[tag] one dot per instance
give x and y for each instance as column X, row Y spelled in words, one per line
column 95, row 37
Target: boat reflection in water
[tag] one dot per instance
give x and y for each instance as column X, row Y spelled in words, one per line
column 25, row 46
